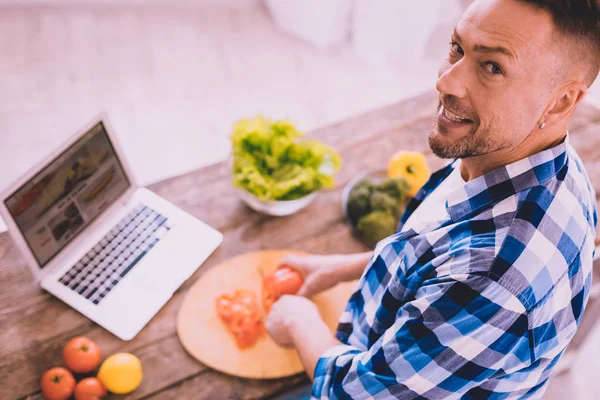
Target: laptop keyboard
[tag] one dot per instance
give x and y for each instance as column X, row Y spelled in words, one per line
column 113, row 257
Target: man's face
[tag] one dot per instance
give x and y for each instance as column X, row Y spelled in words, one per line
column 496, row 80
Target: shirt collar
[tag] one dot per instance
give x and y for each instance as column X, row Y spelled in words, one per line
column 505, row 181
column 434, row 181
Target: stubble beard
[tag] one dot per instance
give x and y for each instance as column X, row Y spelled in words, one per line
column 461, row 148
column 478, row 142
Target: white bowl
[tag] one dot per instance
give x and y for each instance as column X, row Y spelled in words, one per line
column 276, row 208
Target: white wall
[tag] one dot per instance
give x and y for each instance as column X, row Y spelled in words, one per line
column 125, row 3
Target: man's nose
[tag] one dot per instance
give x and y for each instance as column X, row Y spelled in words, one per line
column 451, row 81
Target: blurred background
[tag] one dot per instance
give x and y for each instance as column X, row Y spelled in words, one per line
column 184, row 71
column 174, row 75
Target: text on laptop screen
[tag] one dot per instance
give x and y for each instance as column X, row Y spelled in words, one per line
column 68, row 194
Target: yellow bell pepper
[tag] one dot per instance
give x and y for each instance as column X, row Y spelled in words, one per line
column 412, row 166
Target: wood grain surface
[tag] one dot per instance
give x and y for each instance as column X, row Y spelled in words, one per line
column 34, row 326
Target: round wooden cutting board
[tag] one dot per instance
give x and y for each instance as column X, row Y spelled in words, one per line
column 207, row 339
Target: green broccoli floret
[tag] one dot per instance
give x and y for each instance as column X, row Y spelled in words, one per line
column 383, row 202
column 364, row 183
column 396, row 188
column 375, row 226
column 358, row 203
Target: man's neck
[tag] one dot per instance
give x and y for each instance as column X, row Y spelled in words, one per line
column 474, row 167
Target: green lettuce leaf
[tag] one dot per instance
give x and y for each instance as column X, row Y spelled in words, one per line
column 271, row 161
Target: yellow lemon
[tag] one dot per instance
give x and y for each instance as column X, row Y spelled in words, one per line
column 121, row 373
column 412, row 166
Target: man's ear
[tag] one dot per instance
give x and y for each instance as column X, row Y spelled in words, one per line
column 567, row 98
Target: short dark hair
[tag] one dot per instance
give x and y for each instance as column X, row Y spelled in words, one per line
column 579, row 20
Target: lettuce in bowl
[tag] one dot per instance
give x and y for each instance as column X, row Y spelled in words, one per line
column 272, row 162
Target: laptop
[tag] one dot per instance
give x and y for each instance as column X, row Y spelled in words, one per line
column 111, row 250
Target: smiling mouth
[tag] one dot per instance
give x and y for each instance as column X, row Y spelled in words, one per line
column 454, row 117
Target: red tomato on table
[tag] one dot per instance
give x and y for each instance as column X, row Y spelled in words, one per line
column 81, row 355
column 90, row 389
column 57, row 384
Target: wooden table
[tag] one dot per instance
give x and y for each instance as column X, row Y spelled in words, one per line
column 34, row 326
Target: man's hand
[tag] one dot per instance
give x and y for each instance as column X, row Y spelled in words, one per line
column 295, row 322
column 287, row 314
column 323, row 272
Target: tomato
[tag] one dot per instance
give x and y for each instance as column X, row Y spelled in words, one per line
column 282, row 281
column 242, row 316
column 246, row 297
column 269, row 294
column 90, row 389
column 246, row 330
column 81, row 355
column 286, row 280
column 57, row 384
column 242, row 321
column 223, row 305
column 246, row 338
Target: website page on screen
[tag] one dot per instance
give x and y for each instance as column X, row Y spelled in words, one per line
column 68, row 194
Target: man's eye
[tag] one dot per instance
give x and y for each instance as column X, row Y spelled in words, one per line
column 455, row 48
column 493, row 68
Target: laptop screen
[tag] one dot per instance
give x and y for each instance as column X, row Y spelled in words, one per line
column 68, row 194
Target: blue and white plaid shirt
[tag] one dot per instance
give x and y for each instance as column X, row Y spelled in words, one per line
column 480, row 305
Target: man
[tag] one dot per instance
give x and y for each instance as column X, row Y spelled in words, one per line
column 480, row 291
